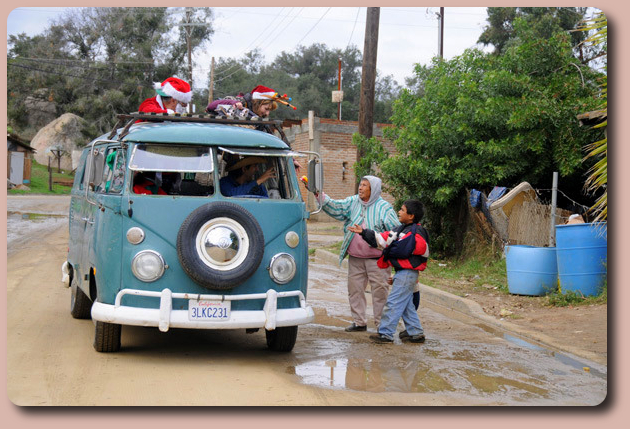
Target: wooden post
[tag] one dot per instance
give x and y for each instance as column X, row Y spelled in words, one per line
column 211, row 86
column 368, row 77
column 554, row 199
column 368, row 74
column 49, row 176
column 339, row 89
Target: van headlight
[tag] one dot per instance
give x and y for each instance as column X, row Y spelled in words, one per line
column 282, row 268
column 148, row 265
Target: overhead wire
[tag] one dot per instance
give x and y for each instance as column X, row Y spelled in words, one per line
column 309, row 31
column 353, row 27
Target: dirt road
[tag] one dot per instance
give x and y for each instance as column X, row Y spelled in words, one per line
column 50, row 359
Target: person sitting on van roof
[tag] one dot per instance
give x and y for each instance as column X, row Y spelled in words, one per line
column 145, row 183
column 240, row 178
column 258, row 103
column 173, row 95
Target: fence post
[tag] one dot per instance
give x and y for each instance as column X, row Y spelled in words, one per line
column 49, row 176
column 554, row 200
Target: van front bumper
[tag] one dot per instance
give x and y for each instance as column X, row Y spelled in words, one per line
column 165, row 317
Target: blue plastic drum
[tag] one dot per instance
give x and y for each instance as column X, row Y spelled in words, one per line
column 531, row 270
column 582, row 253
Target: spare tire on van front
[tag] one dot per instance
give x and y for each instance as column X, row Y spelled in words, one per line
column 220, row 245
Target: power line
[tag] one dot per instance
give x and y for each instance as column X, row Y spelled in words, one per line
column 308, row 32
column 67, row 74
column 353, row 27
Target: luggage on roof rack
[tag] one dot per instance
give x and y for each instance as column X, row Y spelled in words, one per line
column 128, row 119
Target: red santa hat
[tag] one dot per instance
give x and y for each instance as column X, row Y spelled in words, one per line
column 176, row 88
column 262, row 93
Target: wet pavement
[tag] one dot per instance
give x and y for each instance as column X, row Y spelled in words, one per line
column 461, row 358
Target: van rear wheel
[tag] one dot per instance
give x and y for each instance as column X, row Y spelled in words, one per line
column 220, row 245
column 107, row 337
column 282, row 339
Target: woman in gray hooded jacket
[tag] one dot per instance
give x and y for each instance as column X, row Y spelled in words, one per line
column 368, row 209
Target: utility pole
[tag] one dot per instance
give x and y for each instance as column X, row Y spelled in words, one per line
column 441, row 33
column 211, row 86
column 188, row 31
column 368, row 77
column 368, row 74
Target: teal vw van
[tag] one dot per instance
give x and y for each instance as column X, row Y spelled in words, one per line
column 155, row 243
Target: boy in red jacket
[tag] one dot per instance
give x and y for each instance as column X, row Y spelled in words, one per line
column 406, row 249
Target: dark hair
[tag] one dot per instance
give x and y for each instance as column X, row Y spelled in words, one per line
column 415, row 208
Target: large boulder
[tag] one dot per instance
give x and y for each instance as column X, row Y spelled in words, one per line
column 66, row 133
column 40, row 109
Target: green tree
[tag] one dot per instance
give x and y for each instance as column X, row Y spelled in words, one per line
column 98, row 62
column 598, row 177
column 543, row 22
column 484, row 120
column 308, row 75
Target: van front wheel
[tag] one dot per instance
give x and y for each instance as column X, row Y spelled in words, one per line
column 107, row 337
column 282, row 339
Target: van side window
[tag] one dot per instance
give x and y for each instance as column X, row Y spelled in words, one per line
column 114, row 171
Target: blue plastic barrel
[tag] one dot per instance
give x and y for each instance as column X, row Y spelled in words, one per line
column 582, row 252
column 531, row 270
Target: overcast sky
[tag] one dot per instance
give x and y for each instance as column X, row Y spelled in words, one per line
column 407, row 35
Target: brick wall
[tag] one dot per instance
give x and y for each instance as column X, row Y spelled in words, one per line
column 332, row 139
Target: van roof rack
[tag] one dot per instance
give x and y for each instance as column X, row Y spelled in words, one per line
column 128, row 119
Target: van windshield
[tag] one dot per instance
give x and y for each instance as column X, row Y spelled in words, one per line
column 172, row 170
column 152, row 157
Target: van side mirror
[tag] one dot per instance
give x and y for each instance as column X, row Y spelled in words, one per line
column 315, row 176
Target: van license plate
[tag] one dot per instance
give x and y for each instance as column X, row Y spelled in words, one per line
column 208, row 310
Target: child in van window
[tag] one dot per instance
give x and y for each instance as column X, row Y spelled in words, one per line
column 144, row 183
column 405, row 249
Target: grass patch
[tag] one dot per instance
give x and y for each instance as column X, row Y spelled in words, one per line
column 478, row 270
column 39, row 182
column 571, row 298
column 334, row 248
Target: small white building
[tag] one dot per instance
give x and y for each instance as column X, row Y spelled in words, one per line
column 19, row 160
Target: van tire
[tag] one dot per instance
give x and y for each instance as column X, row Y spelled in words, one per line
column 219, row 277
column 282, row 339
column 80, row 304
column 107, row 337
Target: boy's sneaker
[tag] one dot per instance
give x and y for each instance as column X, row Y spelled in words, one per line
column 412, row 338
column 380, row 338
column 403, row 334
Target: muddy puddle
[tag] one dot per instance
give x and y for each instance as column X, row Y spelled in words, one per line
column 498, row 374
column 23, row 228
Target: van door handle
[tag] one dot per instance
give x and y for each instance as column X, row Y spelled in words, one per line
column 87, row 220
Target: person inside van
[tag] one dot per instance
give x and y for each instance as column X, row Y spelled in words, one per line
column 144, row 182
column 240, row 179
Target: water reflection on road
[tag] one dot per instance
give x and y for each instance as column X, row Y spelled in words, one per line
column 461, row 358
